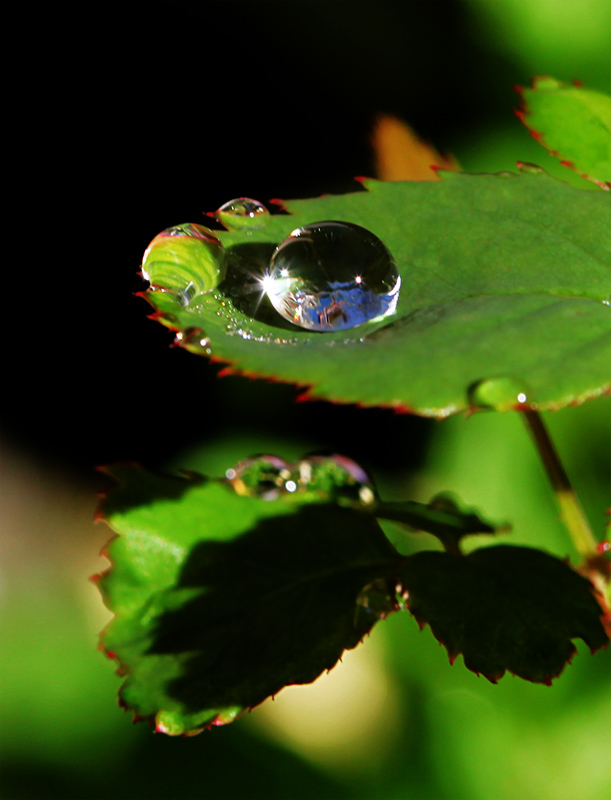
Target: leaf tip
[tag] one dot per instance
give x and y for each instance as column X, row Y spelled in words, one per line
column 281, row 204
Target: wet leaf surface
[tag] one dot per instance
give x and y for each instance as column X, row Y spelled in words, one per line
column 504, row 278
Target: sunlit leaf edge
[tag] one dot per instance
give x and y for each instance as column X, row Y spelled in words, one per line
column 524, row 113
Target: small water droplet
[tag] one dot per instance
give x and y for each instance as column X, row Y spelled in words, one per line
column 338, row 478
column 331, row 276
column 187, row 260
column 502, row 393
column 243, row 214
column 194, row 340
column 264, row 476
column 529, row 169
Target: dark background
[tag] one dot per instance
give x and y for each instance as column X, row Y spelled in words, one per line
column 135, row 122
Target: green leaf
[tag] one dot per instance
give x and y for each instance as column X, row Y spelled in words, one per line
column 504, row 608
column 443, row 517
column 573, row 123
column 221, row 600
column 504, row 280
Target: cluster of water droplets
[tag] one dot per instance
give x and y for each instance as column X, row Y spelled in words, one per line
column 324, row 277
column 323, row 478
column 332, row 478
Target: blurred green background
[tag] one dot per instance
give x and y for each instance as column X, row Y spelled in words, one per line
column 147, row 119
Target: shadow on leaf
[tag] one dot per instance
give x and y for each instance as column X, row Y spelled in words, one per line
column 276, row 606
column 505, row 608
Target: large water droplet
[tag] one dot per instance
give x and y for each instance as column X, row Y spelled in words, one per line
column 331, row 276
column 186, row 259
column 266, row 476
column 502, row 393
column 243, row 213
column 337, row 478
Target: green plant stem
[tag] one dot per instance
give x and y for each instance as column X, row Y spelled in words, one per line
column 570, row 507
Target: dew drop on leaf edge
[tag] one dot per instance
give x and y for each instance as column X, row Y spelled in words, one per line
column 188, row 260
column 330, row 276
column 501, row 393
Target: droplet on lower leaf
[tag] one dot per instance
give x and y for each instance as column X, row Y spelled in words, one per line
column 337, row 478
column 264, row 476
column 330, row 276
column 325, row 478
column 187, row 260
column 502, row 393
column 243, row 213
column 374, row 602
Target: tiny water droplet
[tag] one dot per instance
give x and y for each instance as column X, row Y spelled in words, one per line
column 264, row 476
column 502, row 393
column 331, row 276
column 529, row 169
column 187, row 260
column 243, row 214
column 338, row 478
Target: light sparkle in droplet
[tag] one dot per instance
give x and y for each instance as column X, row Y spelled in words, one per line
column 243, row 213
column 331, row 276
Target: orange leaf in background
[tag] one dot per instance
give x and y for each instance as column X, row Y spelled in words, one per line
column 401, row 156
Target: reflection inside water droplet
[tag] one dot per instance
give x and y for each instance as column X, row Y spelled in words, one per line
column 187, row 260
column 246, row 266
column 332, row 276
column 338, row 478
column 326, row 478
column 262, row 476
column 243, row 213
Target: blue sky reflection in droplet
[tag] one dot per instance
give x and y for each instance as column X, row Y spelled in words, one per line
column 330, row 276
